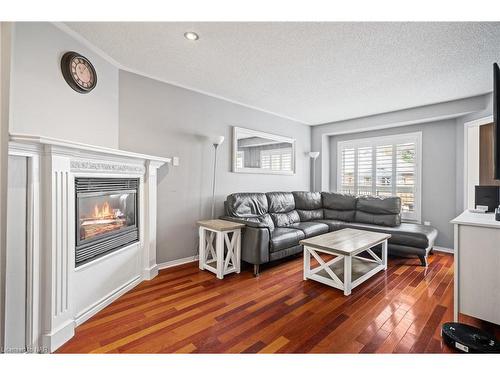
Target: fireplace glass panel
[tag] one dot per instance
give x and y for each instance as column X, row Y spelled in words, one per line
column 103, row 214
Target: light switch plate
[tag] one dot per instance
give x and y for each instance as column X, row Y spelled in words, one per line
column 175, row 161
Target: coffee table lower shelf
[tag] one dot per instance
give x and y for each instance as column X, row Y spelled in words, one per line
column 344, row 272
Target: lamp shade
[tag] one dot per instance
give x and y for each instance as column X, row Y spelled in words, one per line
column 314, row 154
column 217, row 140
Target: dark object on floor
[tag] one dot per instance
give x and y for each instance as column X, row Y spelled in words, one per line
column 468, row 339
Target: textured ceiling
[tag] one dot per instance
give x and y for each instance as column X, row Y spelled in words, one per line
column 311, row 72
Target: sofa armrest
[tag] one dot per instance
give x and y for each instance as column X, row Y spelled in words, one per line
column 248, row 223
column 255, row 239
column 255, row 244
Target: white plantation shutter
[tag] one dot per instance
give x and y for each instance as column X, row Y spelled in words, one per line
column 265, row 161
column 383, row 166
column 276, row 160
column 348, row 180
column 405, row 175
column 239, row 159
column 286, row 161
column 365, row 172
column 384, row 178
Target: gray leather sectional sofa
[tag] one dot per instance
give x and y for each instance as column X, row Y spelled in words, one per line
column 277, row 221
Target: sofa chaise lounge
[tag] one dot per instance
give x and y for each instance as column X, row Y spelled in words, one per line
column 277, row 221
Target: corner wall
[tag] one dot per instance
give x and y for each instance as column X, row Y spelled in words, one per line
column 438, row 171
column 442, row 145
column 161, row 119
column 43, row 104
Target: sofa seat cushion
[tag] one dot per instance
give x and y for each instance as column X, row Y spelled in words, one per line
column 333, row 225
column 281, row 238
column 311, row 229
column 408, row 234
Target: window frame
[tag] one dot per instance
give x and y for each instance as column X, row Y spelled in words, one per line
column 414, row 137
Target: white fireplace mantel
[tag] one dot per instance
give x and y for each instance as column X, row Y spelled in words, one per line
column 61, row 296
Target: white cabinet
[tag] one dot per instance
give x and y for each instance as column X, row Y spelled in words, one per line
column 477, row 266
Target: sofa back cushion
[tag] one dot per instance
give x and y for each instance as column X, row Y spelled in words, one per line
column 246, row 205
column 309, row 205
column 281, row 206
column 338, row 206
column 384, row 211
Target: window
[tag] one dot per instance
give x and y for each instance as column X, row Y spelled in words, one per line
column 276, row 159
column 383, row 166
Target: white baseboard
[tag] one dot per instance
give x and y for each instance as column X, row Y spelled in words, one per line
column 53, row 340
column 177, row 262
column 114, row 295
column 150, row 273
column 443, row 249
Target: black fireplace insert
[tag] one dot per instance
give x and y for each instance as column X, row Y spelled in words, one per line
column 106, row 216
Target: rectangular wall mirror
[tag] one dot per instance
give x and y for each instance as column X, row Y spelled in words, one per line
column 259, row 152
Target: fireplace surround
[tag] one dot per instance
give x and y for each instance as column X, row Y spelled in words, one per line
column 106, row 216
column 81, row 200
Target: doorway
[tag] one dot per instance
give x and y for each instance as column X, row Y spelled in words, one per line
column 478, row 158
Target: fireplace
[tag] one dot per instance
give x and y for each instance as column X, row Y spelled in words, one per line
column 106, row 216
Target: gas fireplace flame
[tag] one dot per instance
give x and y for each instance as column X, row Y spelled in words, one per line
column 103, row 212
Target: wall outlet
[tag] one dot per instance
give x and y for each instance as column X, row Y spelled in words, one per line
column 427, row 223
column 175, row 161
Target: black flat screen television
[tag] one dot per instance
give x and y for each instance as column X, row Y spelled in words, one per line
column 496, row 125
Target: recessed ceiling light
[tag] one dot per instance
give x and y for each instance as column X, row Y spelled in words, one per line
column 191, row 35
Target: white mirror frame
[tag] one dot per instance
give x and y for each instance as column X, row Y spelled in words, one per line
column 255, row 133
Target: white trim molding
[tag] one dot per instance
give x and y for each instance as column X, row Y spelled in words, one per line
column 61, row 296
column 177, row 262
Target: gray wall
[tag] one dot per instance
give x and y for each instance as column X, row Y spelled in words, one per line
column 42, row 103
column 411, row 116
column 438, row 171
column 161, row 119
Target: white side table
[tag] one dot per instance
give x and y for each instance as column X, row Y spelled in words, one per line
column 225, row 256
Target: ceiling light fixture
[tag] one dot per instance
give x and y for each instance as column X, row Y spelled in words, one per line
column 191, row 35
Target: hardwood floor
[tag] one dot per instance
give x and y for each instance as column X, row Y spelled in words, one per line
column 185, row 310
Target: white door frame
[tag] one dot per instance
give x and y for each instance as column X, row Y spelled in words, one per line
column 481, row 121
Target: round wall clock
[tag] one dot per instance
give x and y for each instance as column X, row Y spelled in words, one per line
column 78, row 72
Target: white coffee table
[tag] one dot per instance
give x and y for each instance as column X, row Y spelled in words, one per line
column 347, row 270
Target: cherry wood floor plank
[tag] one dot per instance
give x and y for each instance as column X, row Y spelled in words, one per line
column 185, row 310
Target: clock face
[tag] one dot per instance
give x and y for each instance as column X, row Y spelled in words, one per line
column 78, row 72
